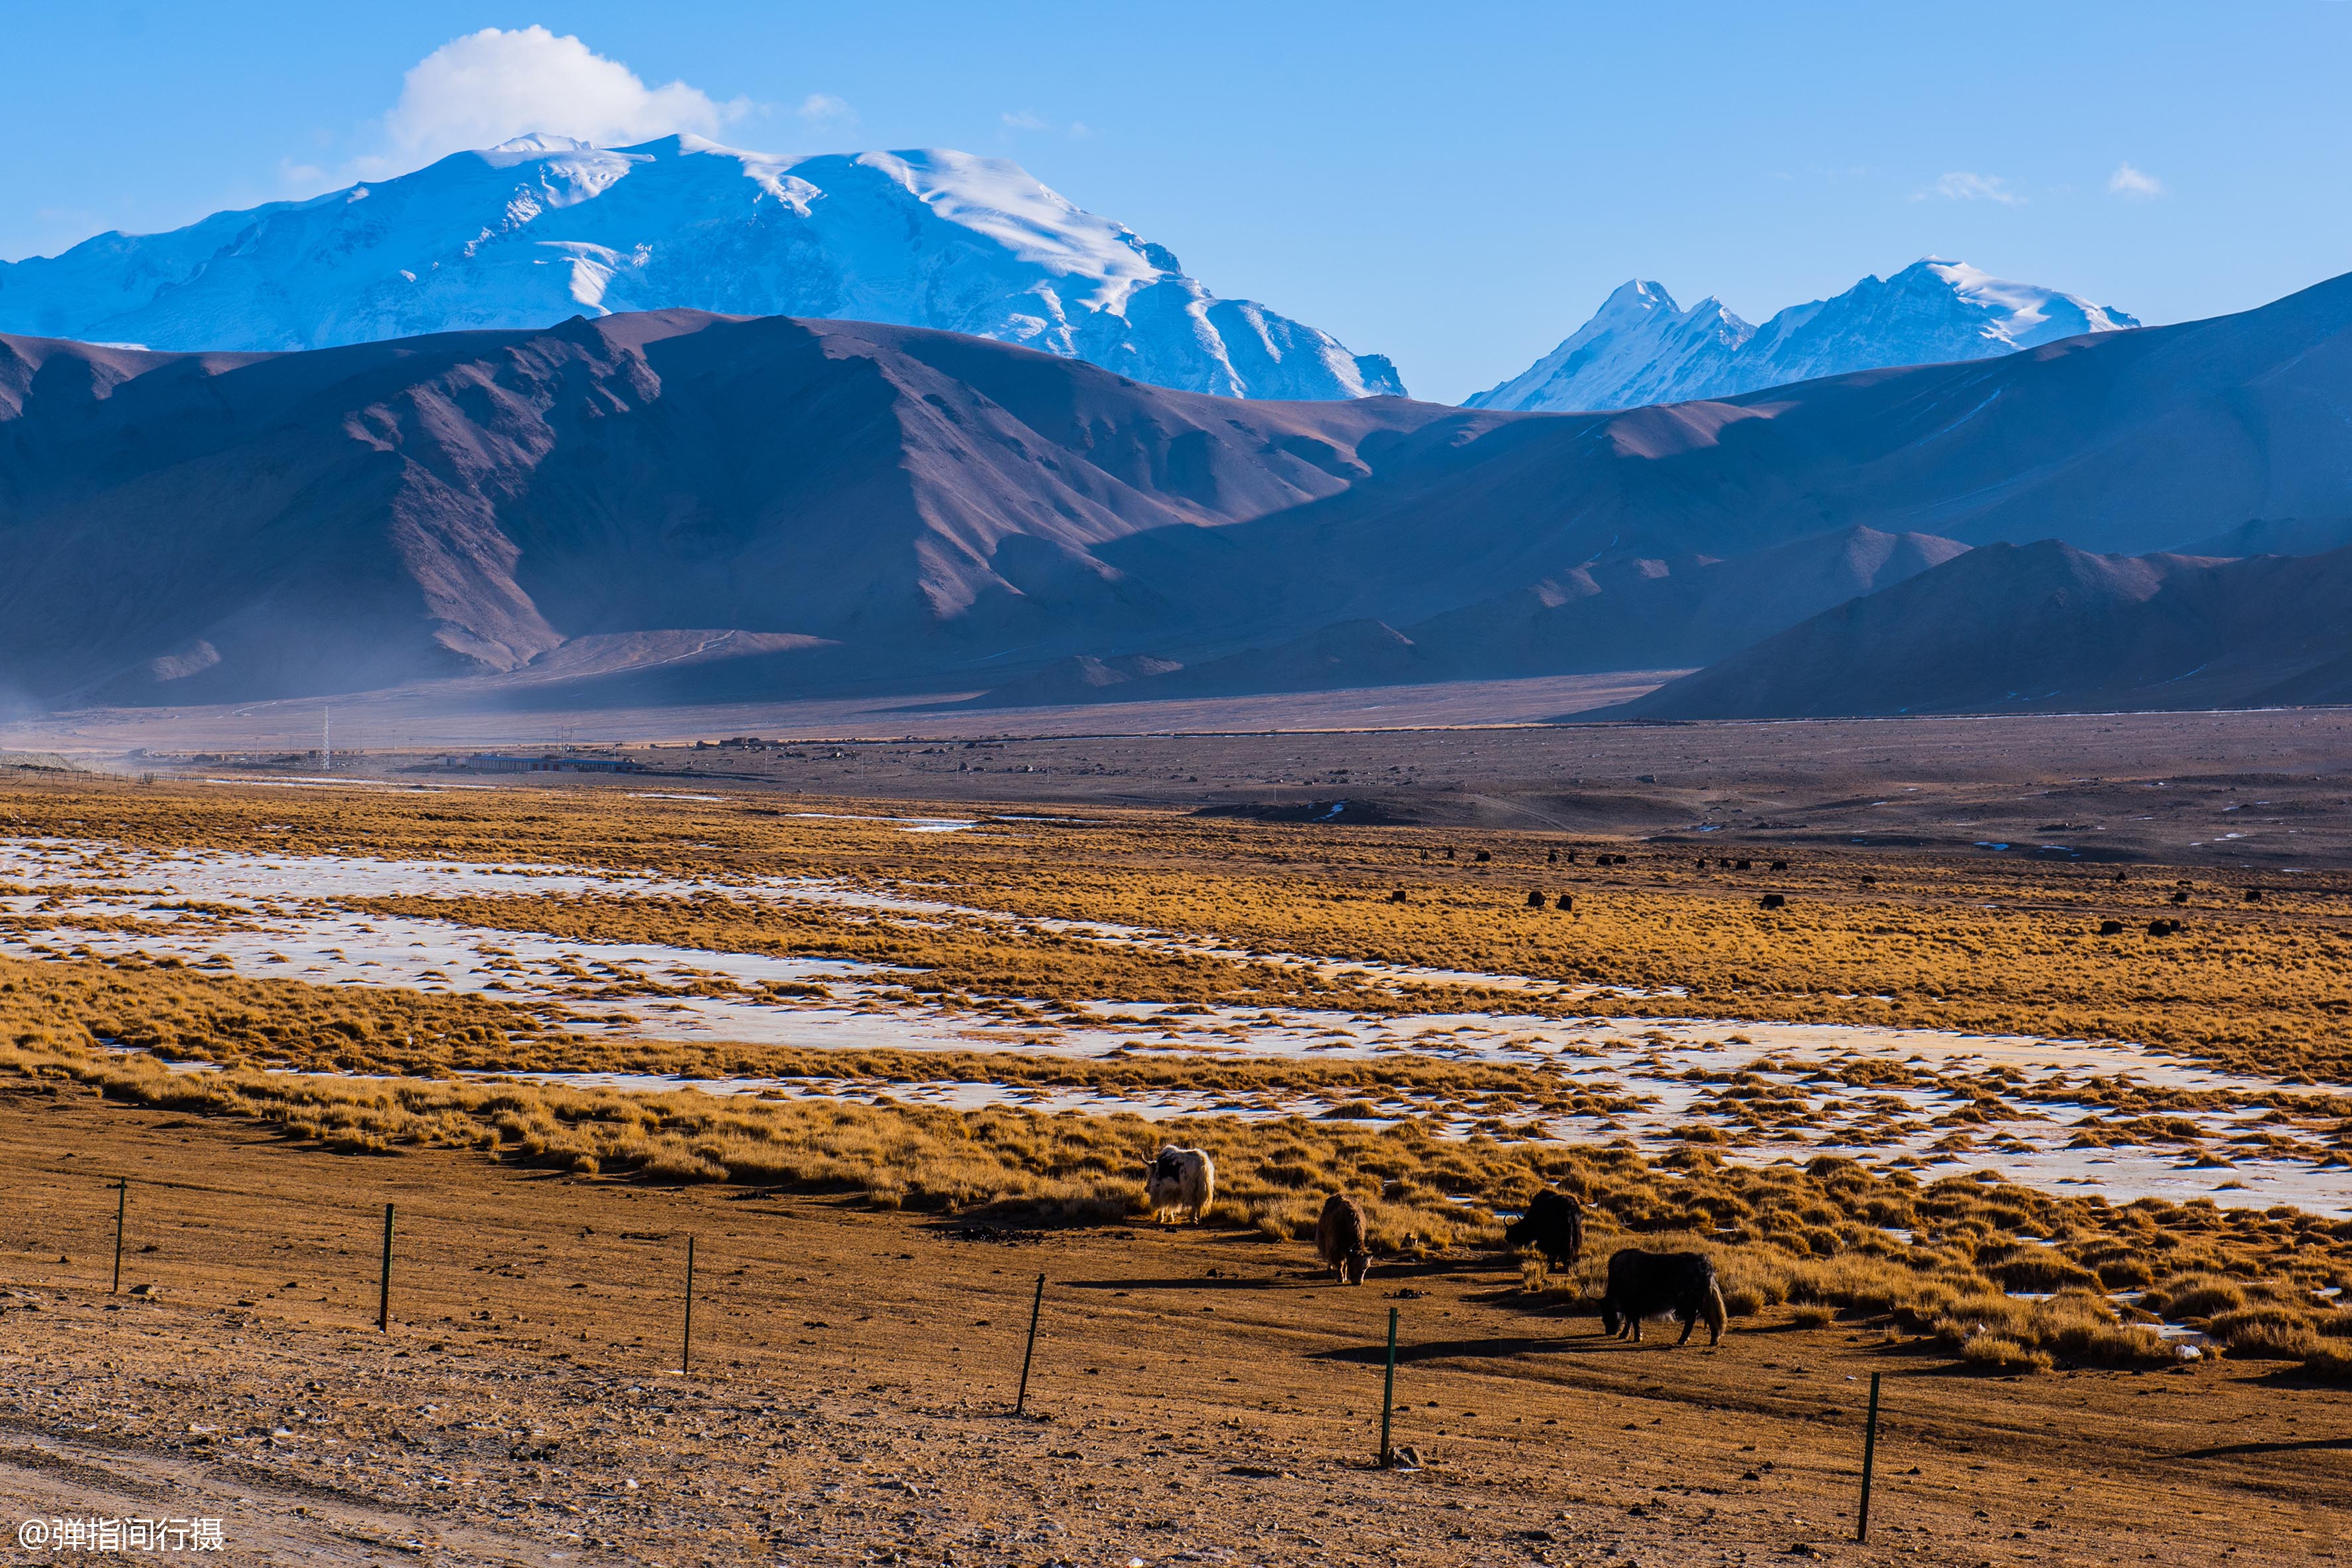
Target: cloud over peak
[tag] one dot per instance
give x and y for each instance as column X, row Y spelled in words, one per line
column 2137, row 183
column 483, row 88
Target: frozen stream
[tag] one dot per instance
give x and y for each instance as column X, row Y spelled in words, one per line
column 289, row 916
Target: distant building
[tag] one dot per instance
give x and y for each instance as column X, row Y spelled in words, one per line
column 493, row 762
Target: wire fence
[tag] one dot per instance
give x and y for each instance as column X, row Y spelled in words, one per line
column 629, row 1298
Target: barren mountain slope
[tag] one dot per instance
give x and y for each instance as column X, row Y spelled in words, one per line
column 227, row 526
column 2126, row 442
column 2048, row 628
column 770, row 507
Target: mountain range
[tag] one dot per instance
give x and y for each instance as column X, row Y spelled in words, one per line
column 2046, row 628
column 680, row 505
column 1641, row 347
column 544, row 228
column 1612, row 615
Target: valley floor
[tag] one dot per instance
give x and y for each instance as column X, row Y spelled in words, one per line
column 2262, row 790
column 2076, row 1189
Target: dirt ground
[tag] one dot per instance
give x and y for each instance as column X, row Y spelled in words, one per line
column 1196, row 1395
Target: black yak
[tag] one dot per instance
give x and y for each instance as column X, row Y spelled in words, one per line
column 1654, row 1284
column 1554, row 1224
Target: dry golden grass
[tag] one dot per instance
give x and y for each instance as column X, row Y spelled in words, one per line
column 183, row 1013
column 2264, row 988
column 959, row 957
column 1816, row 1234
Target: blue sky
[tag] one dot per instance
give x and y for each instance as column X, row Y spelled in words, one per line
column 1455, row 186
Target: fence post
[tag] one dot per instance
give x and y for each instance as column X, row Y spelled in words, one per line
column 1869, row 1455
column 1036, row 1303
column 383, row 1286
column 686, row 1350
column 1388, row 1393
column 122, row 1202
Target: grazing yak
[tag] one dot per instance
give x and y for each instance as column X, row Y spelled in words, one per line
column 1554, row 1224
column 1653, row 1284
column 1183, row 1181
column 1339, row 1240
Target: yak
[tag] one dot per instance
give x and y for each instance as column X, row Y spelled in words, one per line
column 1340, row 1239
column 1653, row 1284
column 1183, row 1181
column 1554, row 1223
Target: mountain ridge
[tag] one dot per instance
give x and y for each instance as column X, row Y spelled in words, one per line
column 1630, row 614
column 543, row 227
column 1641, row 348
column 765, row 507
column 2046, row 627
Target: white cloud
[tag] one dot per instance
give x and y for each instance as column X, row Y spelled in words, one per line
column 823, row 108
column 2136, row 183
column 1025, row 120
column 1081, row 132
column 484, row 88
column 1967, row 187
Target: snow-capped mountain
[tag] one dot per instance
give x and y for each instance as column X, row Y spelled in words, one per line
column 1641, row 348
column 542, row 228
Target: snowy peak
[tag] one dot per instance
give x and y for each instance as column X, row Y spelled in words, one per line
column 1640, row 348
column 1632, row 300
column 543, row 227
column 2020, row 314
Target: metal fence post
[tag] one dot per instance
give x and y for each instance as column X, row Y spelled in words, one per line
column 1036, row 1303
column 1388, row 1393
column 383, row 1285
column 1869, row 1455
column 122, row 1202
column 686, row 1350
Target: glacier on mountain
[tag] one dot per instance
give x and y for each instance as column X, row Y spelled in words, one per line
column 542, row 228
column 1641, row 348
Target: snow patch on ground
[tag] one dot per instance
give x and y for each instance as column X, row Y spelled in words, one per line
column 293, row 921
